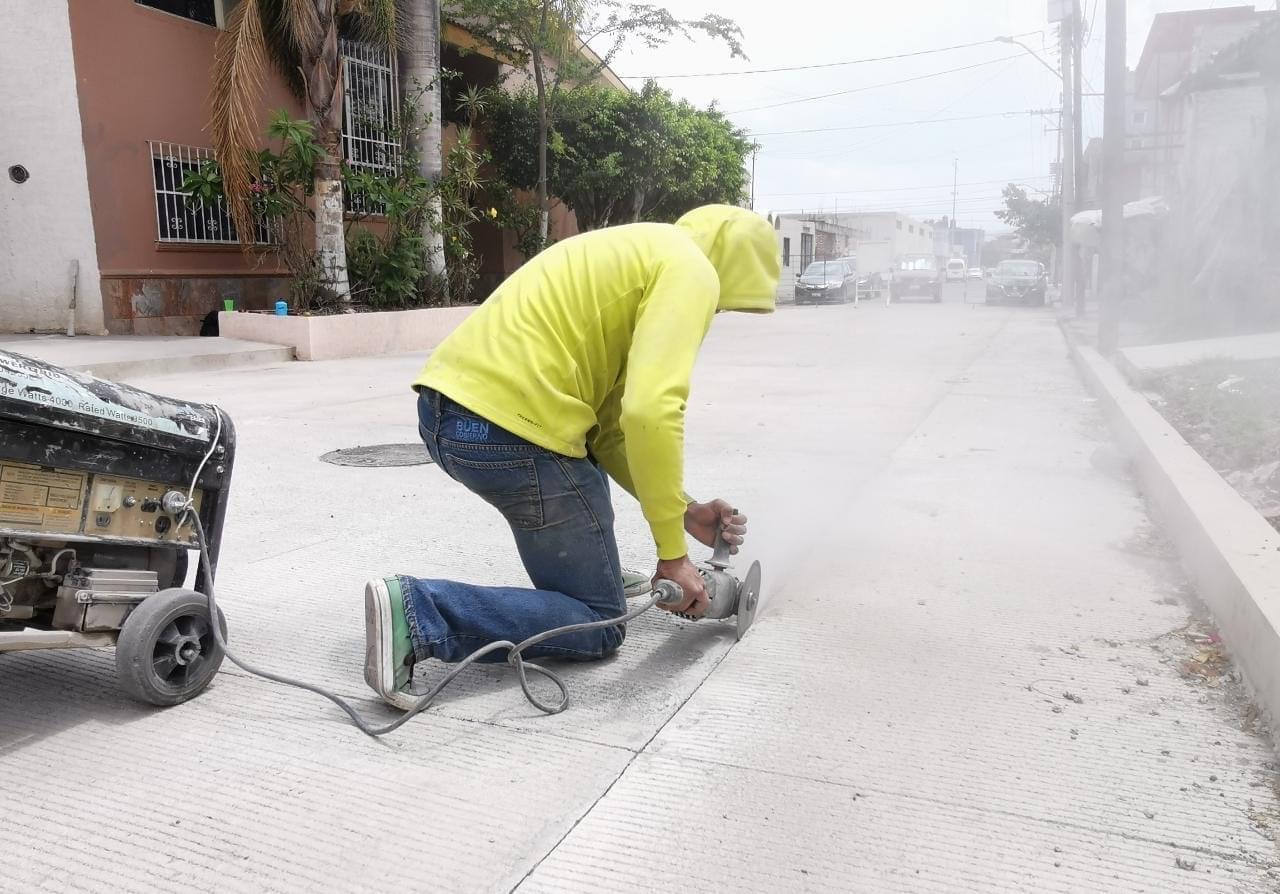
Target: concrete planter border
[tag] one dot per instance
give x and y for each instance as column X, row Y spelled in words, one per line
column 347, row 335
column 1230, row 552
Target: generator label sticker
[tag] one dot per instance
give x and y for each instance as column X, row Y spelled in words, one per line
column 21, row 515
column 40, row 499
column 33, row 382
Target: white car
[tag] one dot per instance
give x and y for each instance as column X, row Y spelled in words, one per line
column 957, row 269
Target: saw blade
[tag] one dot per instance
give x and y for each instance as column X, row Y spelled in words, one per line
column 748, row 599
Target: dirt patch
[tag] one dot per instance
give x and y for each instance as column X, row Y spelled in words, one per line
column 1229, row 411
column 1196, row 651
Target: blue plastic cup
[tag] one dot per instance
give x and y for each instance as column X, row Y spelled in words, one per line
column 282, row 308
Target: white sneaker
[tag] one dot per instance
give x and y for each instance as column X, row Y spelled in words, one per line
column 635, row 583
column 388, row 646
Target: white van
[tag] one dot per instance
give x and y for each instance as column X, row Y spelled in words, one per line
column 956, row 269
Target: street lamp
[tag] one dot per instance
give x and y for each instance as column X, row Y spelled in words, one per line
column 1067, row 131
column 1057, row 74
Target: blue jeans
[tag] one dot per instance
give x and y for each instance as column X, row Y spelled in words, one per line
column 559, row 511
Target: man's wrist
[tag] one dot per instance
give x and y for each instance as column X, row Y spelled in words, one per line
column 668, row 536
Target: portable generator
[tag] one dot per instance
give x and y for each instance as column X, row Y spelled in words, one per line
column 95, row 483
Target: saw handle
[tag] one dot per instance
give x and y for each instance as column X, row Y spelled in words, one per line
column 720, row 550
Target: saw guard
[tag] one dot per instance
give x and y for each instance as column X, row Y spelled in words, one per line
column 748, row 599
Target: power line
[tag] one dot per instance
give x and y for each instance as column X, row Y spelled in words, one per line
column 936, row 74
column 817, row 65
column 1092, row 18
column 942, row 207
column 782, row 133
column 842, row 192
column 922, row 213
column 881, row 139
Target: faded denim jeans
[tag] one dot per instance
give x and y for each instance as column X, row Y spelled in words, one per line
column 559, row 511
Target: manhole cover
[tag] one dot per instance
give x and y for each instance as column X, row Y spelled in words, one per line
column 380, row 455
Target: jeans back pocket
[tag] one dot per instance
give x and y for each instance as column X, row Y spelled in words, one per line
column 510, row 485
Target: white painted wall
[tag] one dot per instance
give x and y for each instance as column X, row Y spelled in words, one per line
column 906, row 234
column 789, row 228
column 45, row 222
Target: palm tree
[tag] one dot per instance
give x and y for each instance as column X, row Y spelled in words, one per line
column 420, row 78
column 300, row 38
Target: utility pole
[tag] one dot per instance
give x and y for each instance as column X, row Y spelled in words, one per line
column 1112, row 180
column 1077, row 92
column 753, row 177
column 1077, row 104
column 955, row 196
column 1068, row 29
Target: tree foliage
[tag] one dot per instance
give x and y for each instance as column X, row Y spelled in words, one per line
column 568, row 43
column 1039, row 221
column 555, row 30
column 389, row 264
column 616, row 156
column 300, row 39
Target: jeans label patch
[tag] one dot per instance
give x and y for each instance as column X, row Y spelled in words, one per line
column 471, row 430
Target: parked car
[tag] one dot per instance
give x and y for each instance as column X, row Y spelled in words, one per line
column 976, row 273
column 1021, row 281
column 870, row 283
column 956, row 270
column 825, row 282
column 916, row 275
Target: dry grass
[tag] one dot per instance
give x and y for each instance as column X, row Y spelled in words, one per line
column 1229, row 410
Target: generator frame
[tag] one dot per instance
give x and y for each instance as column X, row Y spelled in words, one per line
column 57, row 422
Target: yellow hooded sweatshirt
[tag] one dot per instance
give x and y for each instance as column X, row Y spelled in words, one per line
column 591, row 346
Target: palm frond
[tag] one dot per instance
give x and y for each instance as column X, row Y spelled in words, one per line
column 299, row 23
column 239, row 59
column 292, row 30
column 379, row 22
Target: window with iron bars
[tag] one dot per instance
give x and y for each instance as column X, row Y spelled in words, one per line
column 369, row 145
column 180, row 218
column 370, row 107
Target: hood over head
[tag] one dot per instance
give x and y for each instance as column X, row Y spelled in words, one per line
column 741, row 245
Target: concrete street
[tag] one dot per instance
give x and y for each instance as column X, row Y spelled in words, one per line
column 968, row 674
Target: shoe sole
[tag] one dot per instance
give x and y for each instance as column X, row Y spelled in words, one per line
column 379, row 663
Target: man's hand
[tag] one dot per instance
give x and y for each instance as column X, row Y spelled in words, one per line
column 705, row 520
column 682, row 572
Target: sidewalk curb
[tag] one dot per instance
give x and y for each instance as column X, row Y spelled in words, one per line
column 1230, row 552
column 124, row 370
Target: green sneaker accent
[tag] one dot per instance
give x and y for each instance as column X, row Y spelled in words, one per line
column 635, row 583
column 387, row 642
column 401, row 640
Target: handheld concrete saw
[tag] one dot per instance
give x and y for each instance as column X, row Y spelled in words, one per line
column 726, row 595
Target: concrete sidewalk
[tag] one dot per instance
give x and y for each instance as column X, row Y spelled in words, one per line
column 1154, row 358
column 126, row 358
column 966, row 675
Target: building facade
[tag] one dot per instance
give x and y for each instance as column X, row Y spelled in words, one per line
column 1217, row 246
column 882, row 238
column 105, row 157
column 805, row 238
column 1178, row 44
column 46, row 226
column 906, row 234
column 106, row 109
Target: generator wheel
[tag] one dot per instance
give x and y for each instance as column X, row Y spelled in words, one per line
column 167, row 652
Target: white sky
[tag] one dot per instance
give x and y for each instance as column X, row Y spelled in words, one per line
column 907, row 168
